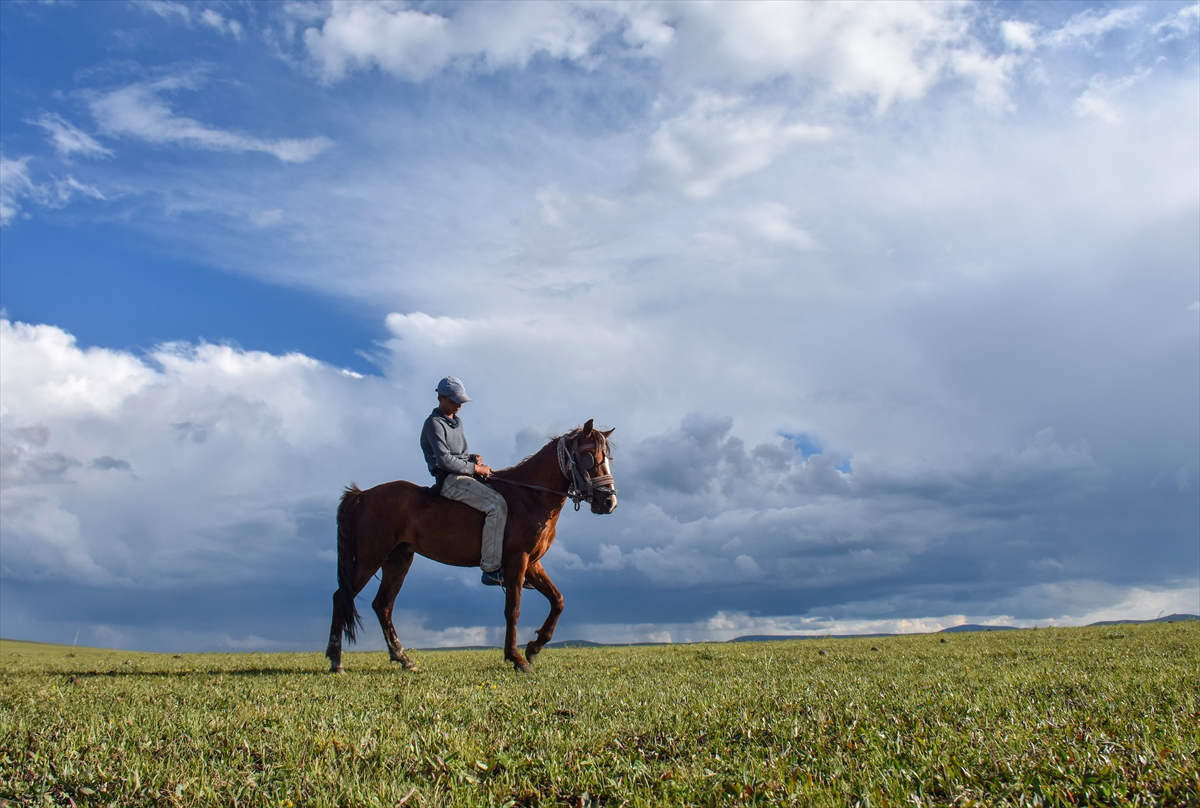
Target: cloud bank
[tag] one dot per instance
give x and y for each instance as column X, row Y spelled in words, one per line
column 893, row 307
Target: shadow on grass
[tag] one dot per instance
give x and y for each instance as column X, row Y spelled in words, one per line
column 93, row 673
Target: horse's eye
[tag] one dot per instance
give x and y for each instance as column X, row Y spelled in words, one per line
column 586, row 461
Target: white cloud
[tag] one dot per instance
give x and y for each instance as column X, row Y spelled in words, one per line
column 414, row 44
column 1090, row 25
column 14, row 184
column 124, row 471
column 61, row 191
column 69, row 139
column 139, row 111
column 719, row 139
column 892, row 51
column 438, row 331
column 774, row 222
column 1069, row 604
column 1178, row 25
column 17, row 185
column 179, row 12
column 43, row 541
column 1099, row 100
column 167, row 9
column 1080, row 602
column 214, row 20
column 490, row 349
column 44, row 372
column 1019, row 35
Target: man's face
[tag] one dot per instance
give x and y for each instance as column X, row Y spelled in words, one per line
column 448, row 406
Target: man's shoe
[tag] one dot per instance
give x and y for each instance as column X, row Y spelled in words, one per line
column 496, row 578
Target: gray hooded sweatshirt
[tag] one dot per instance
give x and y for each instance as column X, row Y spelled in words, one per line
column 445, row 447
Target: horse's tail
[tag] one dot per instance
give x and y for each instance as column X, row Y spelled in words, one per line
column 347, row 541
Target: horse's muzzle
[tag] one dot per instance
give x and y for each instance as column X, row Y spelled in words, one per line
column 604, row 502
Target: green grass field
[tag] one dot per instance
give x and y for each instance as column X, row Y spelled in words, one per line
column 1088, row 716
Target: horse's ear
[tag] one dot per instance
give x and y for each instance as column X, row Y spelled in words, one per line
column 609, row 432
column 587, row 428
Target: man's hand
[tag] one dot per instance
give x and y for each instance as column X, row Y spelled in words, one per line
column 482, row 470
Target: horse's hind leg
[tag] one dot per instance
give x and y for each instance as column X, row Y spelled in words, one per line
column 334, row 649
column 395, row 568
column 542, row 583
column 343, row 602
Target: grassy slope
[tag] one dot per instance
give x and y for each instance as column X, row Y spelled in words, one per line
column 1093, row 715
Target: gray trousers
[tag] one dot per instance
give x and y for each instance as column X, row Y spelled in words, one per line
column 470, row 491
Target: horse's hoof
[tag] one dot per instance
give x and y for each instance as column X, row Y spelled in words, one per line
column 336, row 669
column 531, row 651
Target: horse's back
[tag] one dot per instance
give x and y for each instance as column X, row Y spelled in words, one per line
column 436, row 527
column 398, row 491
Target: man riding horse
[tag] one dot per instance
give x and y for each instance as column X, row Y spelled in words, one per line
column 383, row 528
column 454, row 471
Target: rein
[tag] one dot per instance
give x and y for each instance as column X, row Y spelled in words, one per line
column 494, row 479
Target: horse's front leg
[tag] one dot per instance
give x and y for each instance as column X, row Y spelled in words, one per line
column 514, row 580
column 537, row 576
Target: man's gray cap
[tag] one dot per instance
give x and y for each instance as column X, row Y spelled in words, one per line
column 453, row 389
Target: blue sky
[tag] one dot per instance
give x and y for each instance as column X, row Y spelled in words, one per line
column 895, row 308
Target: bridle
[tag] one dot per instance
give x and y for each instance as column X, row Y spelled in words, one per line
column 577, row 462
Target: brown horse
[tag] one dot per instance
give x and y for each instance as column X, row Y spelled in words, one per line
column 385, row 525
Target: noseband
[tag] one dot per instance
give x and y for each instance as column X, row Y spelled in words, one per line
column 577, row 462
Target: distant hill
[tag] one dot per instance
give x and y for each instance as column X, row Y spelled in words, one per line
column 559, row 644
column 776, row 637
column 574, row 644
column 590, row 644
column 1171, row 618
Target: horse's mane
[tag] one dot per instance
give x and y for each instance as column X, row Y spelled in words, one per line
column 550, row 442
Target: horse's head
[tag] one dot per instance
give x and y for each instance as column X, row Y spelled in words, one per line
column 591, row 463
